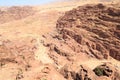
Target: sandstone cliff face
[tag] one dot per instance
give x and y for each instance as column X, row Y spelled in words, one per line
column 95, row 28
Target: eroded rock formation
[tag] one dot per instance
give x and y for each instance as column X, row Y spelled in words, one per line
column 95, row 28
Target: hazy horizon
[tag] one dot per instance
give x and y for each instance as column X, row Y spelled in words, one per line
column 23, row 2
column 38, row 2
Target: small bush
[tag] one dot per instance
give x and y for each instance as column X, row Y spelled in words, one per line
column 99, row 71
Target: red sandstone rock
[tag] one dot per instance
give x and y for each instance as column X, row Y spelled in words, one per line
column 93, row 26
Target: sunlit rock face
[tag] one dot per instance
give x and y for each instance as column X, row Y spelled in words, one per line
column 95, row 28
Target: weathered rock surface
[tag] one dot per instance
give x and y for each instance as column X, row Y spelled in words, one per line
column 94, row 28
column 20, row 52
column 81, row 73
column 107, row 70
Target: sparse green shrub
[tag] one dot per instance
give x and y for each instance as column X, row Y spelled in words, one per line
column 99, row 71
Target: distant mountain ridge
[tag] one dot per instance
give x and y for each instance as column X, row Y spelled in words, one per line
column 15, row 13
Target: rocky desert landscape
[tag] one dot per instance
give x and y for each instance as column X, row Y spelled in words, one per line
column 66, row 40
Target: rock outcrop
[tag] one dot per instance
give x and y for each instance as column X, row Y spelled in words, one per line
column 81, row 73
column 108, row 71
column 94, row 28
column 103, row 72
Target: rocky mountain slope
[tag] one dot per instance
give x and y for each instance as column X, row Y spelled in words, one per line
column 91, row 30
column 15, row 13
column 60, row 42
column 95, row 29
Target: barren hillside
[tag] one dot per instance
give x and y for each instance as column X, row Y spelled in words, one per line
column 75, row 40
